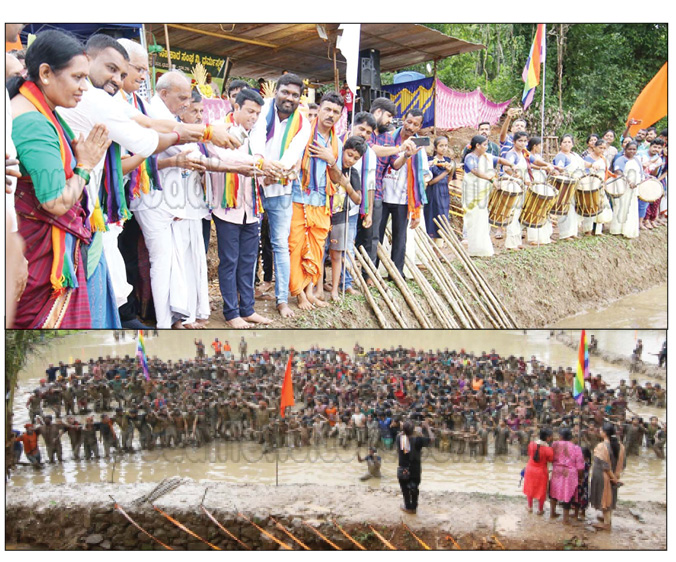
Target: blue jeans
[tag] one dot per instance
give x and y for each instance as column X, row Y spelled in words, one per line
column 351, row 235
column 237, row 256
column 279, row 210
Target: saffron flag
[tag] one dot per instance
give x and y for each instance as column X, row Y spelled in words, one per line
column 582, row 369
column 651, row 104
column 531, row 72
column 141, row 354
column 287, row 389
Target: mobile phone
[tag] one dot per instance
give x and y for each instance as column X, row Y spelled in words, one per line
column 421, row 141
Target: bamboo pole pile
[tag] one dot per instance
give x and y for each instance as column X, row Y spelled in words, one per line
column 435, row 303
column 373, row 273
column 498, row 311
column 356, row 275
column 400, row 282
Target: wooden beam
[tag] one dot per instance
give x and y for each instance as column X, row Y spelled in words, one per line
column 223, row 35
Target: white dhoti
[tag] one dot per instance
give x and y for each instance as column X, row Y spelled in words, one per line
column 568, row 223
column 475, row 192
column 164, row 239
column 541, row 235
column 195, row 269
column 625, row 214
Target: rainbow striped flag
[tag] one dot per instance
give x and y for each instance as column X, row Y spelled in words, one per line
column 141, row 354
column 531, row 72
column 582, row 369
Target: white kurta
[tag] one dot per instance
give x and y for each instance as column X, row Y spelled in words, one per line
column 625, row 208
column 475, row 192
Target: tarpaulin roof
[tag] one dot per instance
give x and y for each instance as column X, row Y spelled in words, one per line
column 84, row 30
column 264, row 50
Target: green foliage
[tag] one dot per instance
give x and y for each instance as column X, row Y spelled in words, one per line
column 604, row 69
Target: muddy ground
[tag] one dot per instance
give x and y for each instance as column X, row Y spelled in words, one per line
column 444, row 520
column 538, row 285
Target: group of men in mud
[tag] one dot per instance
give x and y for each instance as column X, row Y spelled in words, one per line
column 341, row 400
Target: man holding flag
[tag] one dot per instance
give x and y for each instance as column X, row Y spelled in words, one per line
column 582, row 369
column 141, row 354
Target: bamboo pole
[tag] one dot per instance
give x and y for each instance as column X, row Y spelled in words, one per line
column 429, row 294
column 359, row 546
column 403, row 288
column 433, row 266
column 462, row 305
column 469, row 289
column 415, row 536
column 288, row 533
column 508, row 317
column 387, row 543
column 334, row 545
column 166, row 39
column 269, row 535
column 379, row 282
column 472, row 273
column 183, row 527
column 222, row 528
column 369, row 297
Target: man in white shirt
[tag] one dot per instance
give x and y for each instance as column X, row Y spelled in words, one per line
column 267, row 139
column 395, row 188
column 237, row 224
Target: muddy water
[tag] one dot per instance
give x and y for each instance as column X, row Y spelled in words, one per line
column 647, row 309
column 234, row 462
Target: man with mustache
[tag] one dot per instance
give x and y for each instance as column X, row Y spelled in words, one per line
column 320, row 173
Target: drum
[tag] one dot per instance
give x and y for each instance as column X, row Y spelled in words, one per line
column 616, row 187
column 588, row 195
column 502, row 201
column 539, row 199
column 565, row 187
column 650, row 190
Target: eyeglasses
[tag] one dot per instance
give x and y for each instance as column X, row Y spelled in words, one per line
column 139, row 69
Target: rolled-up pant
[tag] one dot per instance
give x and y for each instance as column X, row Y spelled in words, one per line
column 55, row 450
column 237, row 254
column 128, row 437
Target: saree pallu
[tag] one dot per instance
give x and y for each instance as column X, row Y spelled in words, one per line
column 40, row 306
column 102, row 304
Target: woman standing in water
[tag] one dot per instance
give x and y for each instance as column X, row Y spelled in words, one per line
column 609, row 462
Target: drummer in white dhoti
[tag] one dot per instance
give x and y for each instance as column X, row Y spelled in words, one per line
column 596, row 163
column 480, row 174
column 539, row 235
column 520, row 168
column 625, row 207
column 573, row 166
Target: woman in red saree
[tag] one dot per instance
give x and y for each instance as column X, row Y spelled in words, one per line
column 540, row 454
column 55, row 169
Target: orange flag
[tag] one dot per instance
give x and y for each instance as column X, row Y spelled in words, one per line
column 651, row 104
column 287, row 388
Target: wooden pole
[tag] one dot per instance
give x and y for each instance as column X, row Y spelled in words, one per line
column 433, row 266
column 367, row 265
column 369, row 297
column 434, row 99
column 450, row 239
column 336, row 77
column 166, row 39
column 482, row 283
column 454, row 291
column 401, row 285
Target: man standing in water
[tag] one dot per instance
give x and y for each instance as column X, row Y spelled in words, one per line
column 409, row 471
column 373, row 462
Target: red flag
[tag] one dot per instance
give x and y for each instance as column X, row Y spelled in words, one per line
column 287, row 389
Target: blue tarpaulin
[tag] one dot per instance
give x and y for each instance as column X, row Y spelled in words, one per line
column 415, row 94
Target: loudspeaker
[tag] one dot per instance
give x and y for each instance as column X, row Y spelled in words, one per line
column 369, row 68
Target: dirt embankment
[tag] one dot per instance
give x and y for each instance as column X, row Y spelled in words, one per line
column 642, row 368
column 538, row 285
column 82, row 517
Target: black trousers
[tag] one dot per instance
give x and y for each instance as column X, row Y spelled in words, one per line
column 399, row 214
column 410, row 489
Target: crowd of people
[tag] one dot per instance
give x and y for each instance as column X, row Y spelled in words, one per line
column 470, row 405
column 113, row 196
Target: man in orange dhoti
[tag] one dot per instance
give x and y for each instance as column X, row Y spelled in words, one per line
column 311, row 195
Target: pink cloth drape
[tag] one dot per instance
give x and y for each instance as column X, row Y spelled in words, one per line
column 454, row 110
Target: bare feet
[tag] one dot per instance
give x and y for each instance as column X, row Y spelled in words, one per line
column 265, row 286
column 178, row 325
column 202, row 323
column 351, row 291
column 303, row 302
column 313, row 299
column 190, row 326
column 285, row 311
column 318, row 293
column 238, row 323
column 256, row 318
column 335, row 296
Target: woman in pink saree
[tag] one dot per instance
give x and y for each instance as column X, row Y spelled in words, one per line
column 568, row 462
